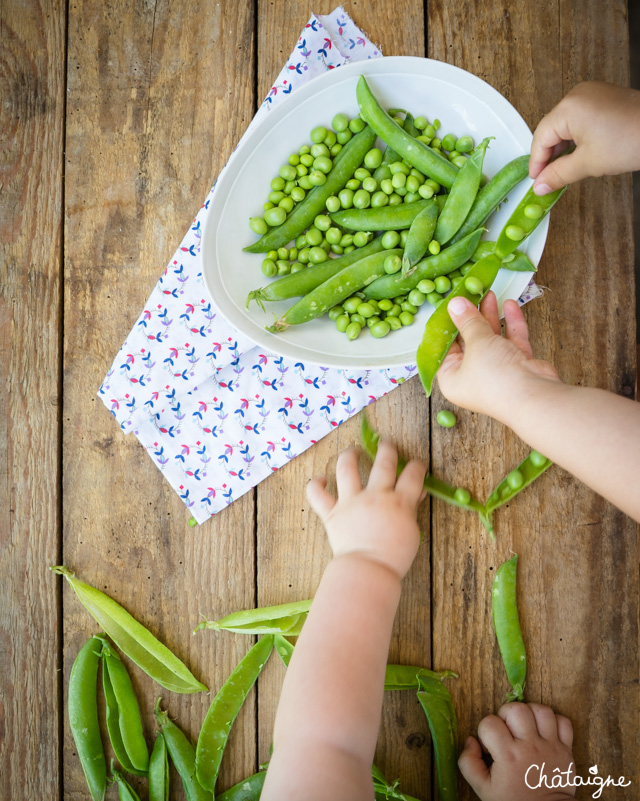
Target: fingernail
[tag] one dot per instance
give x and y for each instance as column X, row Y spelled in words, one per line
column 457, row 306
column 541, row 189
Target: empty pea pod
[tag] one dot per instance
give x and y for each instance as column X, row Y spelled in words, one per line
column 382, row 218
column 159, row 771
column 248, row 789
column 125, row 790
column 520, row 224
column 183, row 756
column 279, row 619
column 314, row 203
column 406, row 677
column 420, row 234
column 440, row 332
column 133, row 638
column 443, row 725
column 527, row 471
column 83, row 717
column 224, row 710
column 507, row 625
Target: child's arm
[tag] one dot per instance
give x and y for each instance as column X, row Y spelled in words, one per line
column 329, row 713
column 603, row 121
column 592, row 433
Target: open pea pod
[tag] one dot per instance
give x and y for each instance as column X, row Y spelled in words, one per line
column 280, row 619
column 224, row 710
column 443, row 725
column 526, row 217
column 507, row 625
column 524, row 474
column 133, row 639
column 406, row 677
column 456, row 496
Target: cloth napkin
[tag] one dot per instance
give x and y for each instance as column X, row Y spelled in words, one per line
column 216, row 413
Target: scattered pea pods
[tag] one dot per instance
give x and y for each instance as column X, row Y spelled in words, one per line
column 133, row 638
column 419, row 155
column 280, row 619
column 247, row 790
column 159, row 771
column 334, row 290
column 527, row 471
column 382, row 218
column 123, row 714
column 526, row 217
column 441, row 716
column 440, row 332
column 83, row 717
column 420, row 234
column 303, row 215
column 183, row 756
column 298, row 284
column 224, row 710
column 507, row 625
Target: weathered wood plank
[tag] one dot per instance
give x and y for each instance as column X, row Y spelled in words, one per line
column 577, row 573
column 158, row 94
column 32, row 67
column 292, row 545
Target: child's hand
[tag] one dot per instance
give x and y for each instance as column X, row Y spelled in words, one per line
column 377, row 522
column 517, row 738
column 489, row 373
column 602, row 120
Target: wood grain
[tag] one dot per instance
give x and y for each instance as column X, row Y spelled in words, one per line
column 31, row 144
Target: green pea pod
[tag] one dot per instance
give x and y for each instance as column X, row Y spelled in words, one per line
column 493, row 193
column 463, row 193
column 443, row 724
column 383, row 791
column 284, row 648
column 247, row 790
column 420, row 234
column 515, row 262
column 83, row 717
column 448, row 260
column 303, row 215
column 279, row 619
column 183, row 756
column 406, row 677
column 382, row 218
column 300, row 283
column 440, row 332
column 434, row 486
column 125, row 790
column 224, row 710
column 523, row 221
column 419, row 155
column 507, row 625
column 348, row 281
column 133, row 638
column 159, row 771
column 527, row 471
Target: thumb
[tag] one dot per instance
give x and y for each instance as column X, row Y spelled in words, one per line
column 560, row 172
column 468, row 320
column 472, row 766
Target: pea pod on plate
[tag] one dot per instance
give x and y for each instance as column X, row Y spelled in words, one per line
column 517, row 261
column 526, row 217
column 382, row 218
column 279, row 619
column 507, row 625
column 526, row 472
column 420, row 234
column 303, row 215
column 443, row 725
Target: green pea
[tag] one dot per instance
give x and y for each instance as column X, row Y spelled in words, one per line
column 393, row 322
column 283, row 267
column 462, row 495
column 358, row 318
column 342, row 323
column 395, row 310
column 272, row 254
column 456, row 281
column 340, row 122
column 379, row 199
column 296, row 267
column 317, row 178
column 434, row 298
column 443, row 284
column 298, row 194
column 380, row 329
column 515, row 479
column 459, row 161
column 436, row 143
column 514, row 232
column 353, row 330
column 429, row 131
column 454, row 155
column 258, row 225
column 449, row 142
column 473, row 285
column 330, row 139
column 426, row 191
column 192, row 522
column 399, row 180
column 399, row 166
column 537, row 459
column 333, row 236
column 433, row 184
column 434, row 247
column 335, row 312
column 394, row 199
column 406, row 318
column 305, row 182
column 306, row 159
column 466, row 267
column 275, row 216
column 412, row 184
column 370, row 185
column 404, row 235
column 421, row 123
column 365, row 310
column 346, row 198
column 416, row 298
column 362, row 199
column 426, row 286
column 287, row 204
column 374, row 304
column 335, row 149
column 408, row 307
column 276, row 197
column 373, row 159
column 303, row 255
column 317, row 255
column 332, row 203
column 318, row 134
column 344, row 136
column 319, row 150
column 392, row 264
column 283, row 253
column 323, row 164
column 454, row 274
column 371, row 321
column 464, row 144
column 294, row 159
column 446, row 418
column 390, row 240
column 436, row 124
column 278, row 184
column 269, row 268
column 288, row 172
column 356, row 125
column 533, row 211
column 322, row 222
column 351, row 304
column 360, row 238
column 268, row 206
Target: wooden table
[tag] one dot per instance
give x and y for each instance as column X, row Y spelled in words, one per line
column 115, row 119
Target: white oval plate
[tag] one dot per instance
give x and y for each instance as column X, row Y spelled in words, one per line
column 462, row 102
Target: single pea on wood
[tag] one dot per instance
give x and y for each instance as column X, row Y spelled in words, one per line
column 507, row 626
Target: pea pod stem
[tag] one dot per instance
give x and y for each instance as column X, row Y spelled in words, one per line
column 443, row 725
column 507, row 626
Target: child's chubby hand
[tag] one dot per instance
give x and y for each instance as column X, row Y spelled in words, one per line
column 486, row 372
column 518, row 738
column 376, row 522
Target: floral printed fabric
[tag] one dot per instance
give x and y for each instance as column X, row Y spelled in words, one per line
column 215, row 413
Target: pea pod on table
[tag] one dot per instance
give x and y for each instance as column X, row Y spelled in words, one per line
column 507, row 625
column 419, row 155
column 133, row 639
column 159, row 771
column 279, row 619
column 125, row 790
column 443, row 725
column 224, row 710
column 406, row 677
column 248, row 789
column 526, row 217
column 527, row 471
column 83, row 717
column 303, row 215
column 420, row 234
